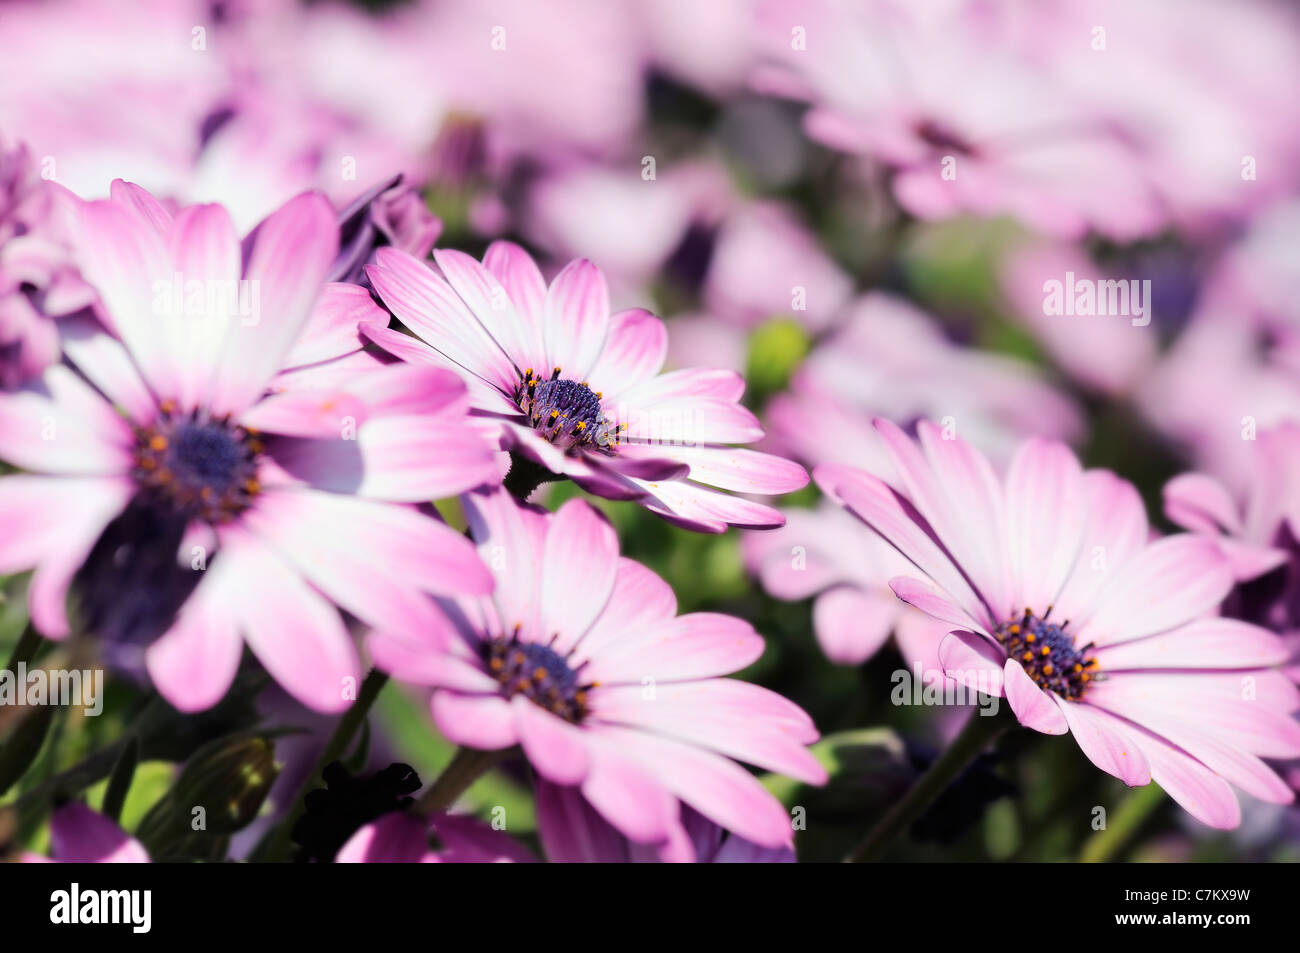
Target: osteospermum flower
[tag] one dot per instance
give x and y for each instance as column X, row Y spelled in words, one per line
column 195, row 511
column 580, row 658
column 573, row 832
column 577, row 390
column 1059, row 600
column 79, row 835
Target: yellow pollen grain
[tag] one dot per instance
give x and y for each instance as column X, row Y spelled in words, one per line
column 158, row 443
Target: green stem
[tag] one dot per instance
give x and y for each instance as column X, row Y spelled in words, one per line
column 1122, row 825
column 467, row 765
column 275, row 845
column 977, row 734
column 26, row 648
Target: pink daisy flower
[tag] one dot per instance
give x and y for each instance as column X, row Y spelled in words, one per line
column 79, row 835
column 161, row 455
column 580, row 658
column 404, row 838
column 1252, row 526
column 573, row 832
column 1060, row 601
column 576, row 390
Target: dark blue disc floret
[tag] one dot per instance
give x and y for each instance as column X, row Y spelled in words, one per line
column 539, row 673
column 566, row 412
column 1048, row 654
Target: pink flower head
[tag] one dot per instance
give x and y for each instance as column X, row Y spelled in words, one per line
column 410, row 838
column 580, row 657
column 187, row 502
column 572, row 831
column 1059, row 600
column 79, row 835
column 37, row 280
column 1250, row 527
column 578, row 390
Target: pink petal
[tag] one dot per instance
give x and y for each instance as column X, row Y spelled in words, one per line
column 1206, row 643
column 577, row 318
column 740, row 470
column 295, row 633
column 580, row 545
column 58, row 424
column 699, row 508
column 876, row 505
column 639, row 600
column 331, row 331
column 486, row 722
column 306, row 413
column 194, row 663
column 29, row 538
column 420, row 659
column 1171, row 582
column 374, row 559
column 1197, row 789
column 573, row 832
column 518, row 334
column 428, row 305
column 1033, row 706
column 510, row 540
column 688, row 421
column 291, row 256
column 107, row 365
column 746, row 732
column 1199, row 502
column 630, row 798
column 123, row 255
column 79, row 835
column 716, row 787
column 1046, row 521
column 973, row 661
column 523, row 281
column 712, row 383
column 396, row 838
column 698, row 645
column 634, row 352
column 205, row 249
column 851, row 624
column 1107, row 742
column 556, row 748
column 412, row 350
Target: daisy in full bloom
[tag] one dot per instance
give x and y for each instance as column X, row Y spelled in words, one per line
column 1059, row 600
column 79, row 835
column 190, row 511
column 577, row 390
column 573, row 832
column 580, row 658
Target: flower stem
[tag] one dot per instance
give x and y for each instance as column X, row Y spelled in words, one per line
column 25, row 649
column 980, row 730
column 275, row 845
column 1137, row 807
column 467, row 765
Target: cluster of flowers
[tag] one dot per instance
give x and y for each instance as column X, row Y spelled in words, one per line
column 225, row 422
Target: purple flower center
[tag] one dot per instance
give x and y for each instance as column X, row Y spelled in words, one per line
column 201, row 468
column 540, row 674
column 566, row 412
column 1048, row 654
